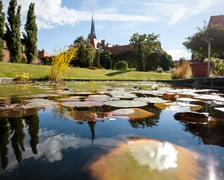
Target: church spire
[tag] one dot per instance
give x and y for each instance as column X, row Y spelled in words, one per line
column 92, row 31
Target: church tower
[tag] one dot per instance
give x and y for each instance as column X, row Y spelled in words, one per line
column 92, row 34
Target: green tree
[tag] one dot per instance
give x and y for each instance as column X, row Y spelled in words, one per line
column 13, row 32
column 198, row 45
column 30, row 35
column 97, row 58
column 89, row 53
column 105, row 60
column 166, row 61
column 144, row 45
column 2, row 23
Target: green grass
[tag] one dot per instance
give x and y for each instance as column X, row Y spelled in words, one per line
column 41, row 72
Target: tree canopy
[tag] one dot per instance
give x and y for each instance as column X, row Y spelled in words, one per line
column 198, row 45
column 2, row 23
column 30, row 35
column 13, row 31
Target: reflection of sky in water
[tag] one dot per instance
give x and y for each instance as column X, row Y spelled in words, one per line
column 63, row 142
column 160, row 156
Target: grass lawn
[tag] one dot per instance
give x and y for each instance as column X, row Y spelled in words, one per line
column 41, row 72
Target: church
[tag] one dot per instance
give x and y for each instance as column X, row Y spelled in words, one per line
column 102, row 45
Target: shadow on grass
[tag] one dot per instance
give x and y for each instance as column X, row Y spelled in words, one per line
column 118, row 72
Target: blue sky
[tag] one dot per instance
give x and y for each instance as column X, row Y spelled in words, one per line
column 60, row 22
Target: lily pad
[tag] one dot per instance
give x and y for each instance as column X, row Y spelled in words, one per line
column 72, row 98
column 192, row 117
column 131, row 113
column 39, row 103
column 122, row 95
column 169, row 96
column 208, row 97
column 151, row 100
column 179, row 106
column 84, row 104
column 144, row 158
column 125, row 103
column 219, row 109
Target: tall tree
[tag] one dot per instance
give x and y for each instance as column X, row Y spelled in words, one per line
column 144, row 44
column 90, row 53
column 30, row 35
column 13, row 32
column 2, row 23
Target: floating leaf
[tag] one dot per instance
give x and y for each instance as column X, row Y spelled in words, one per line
column 179, row 106
column 219, row 109
column 169, row 96
column 125, row 103
column 39, row 103
column 83, row 104
column 192, row 117
column 131, row 113
column 188, row 100
column 122, row 95
column 72, row 98
column 151, row 100
column 161, row 105
column 208, row 97
column 143, row 159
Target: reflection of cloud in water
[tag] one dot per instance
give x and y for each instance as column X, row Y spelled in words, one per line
column 160, row 156
column 52, row 144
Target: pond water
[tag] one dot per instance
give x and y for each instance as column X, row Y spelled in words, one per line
column 110, row 131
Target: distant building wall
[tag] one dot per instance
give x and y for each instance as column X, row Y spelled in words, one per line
column 6, row 54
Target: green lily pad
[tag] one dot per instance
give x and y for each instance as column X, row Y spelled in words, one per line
column 39, row 103
column 122, row 95
column 143, row 159
column 131, row 113
column 125, row 103
column 84, row 104
column 151, row 100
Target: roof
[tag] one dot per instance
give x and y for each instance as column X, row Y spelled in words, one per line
column 217, row 19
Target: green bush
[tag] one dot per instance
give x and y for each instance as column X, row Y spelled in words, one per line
column 218, row 65
column 121, row 65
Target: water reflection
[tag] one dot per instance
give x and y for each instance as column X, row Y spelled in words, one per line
column 61, row 140
column 213, row 135
column 12, row 130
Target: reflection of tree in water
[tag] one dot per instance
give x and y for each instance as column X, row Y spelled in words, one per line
column 16, row 126
column 33, row 128
column 147, row 122
column 4, row 135
column 92, row 129
column 210, row 134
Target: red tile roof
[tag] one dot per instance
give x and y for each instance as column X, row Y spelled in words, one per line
column 217, row 19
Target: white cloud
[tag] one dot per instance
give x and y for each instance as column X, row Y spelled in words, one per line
column 189, row 9
column 179, row 53
column 51, row 14
column 175, row 11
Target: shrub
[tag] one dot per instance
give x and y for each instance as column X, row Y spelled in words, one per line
column 182, row 72
column 60, row 63
column 24, row 76
column 218, row 66
column 121, row 65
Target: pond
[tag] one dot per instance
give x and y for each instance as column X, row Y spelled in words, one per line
column 106, row 130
